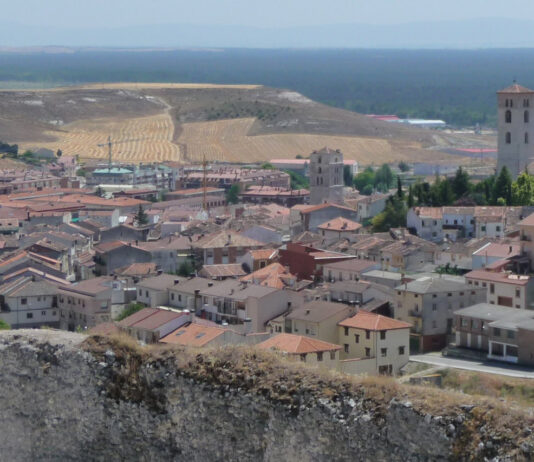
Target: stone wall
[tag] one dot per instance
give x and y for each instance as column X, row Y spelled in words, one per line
column 102, row 400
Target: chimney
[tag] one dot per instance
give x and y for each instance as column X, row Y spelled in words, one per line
column 210, row 284
column 160, row 272
column 176, row 281
column 247, row 324
column 137, row 242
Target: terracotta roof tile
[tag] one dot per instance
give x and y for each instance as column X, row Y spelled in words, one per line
column 371, row 321
column 340, row 224
column 297, row 344
column 194, row 334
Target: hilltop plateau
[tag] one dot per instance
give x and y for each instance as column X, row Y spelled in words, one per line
column 228, row 123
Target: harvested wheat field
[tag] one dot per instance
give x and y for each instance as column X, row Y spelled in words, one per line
column 152, row 122
column 228, row 140
column 143, row 139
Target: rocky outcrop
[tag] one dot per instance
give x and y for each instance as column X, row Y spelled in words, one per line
column 66, row 397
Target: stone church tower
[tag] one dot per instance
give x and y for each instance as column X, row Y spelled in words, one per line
column 515, row 137
column 326, row 177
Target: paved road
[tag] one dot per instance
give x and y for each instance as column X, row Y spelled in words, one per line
column 490, row 367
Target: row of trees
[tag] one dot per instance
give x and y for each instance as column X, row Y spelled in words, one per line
column 458, row 190
column 495, row 190
column 382, row 179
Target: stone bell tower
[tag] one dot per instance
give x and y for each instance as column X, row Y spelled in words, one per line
column 515, row 137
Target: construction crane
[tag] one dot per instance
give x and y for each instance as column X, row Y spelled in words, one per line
column 110, row 143
column 204, row 184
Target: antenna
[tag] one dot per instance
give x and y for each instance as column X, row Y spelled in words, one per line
column 204, row 183
column 109, row 145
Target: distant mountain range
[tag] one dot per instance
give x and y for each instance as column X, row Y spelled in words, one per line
column 476, row 33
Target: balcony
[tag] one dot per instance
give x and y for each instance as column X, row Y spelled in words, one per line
column 415, row 314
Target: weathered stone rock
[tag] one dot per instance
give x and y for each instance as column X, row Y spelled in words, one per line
column 84, row 408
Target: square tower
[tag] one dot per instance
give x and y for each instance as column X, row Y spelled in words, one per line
column 326, row 176
column 515, row 142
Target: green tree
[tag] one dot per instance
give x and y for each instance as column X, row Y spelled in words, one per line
column 81, row 172
column 384, row 178
column 59, row 153
column 363, row 179
column 503, row 187
column 523, row 190
column 400, row 194
column 232, row 195
column 446, row 194
column 411, row 201
column 185, row 269
column 4, row 325
column 99, row 192
column 347, row 175
column 298, row 181
column 460, row 183
column 298, row 156
column 131, row 309
column 267, row 166
column 403, row 166
column 141, row 218
column 393, row 216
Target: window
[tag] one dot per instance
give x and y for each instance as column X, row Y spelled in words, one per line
column 29, row 315
column 434, row 306
column 464, row 322
column 23, row 301
column 146, row 293
column 172, row 296
column 496, row 332
column 320, row 356
column 346, row 347
column 368, row 352
column 483, row 228
column 510, row 334
column 401, row 350
column 43, row 313
column 332, row 355
column 383, row 352
column 434, row 325
column 492, row 288
column 303, row 357
column 449, row 295
column 497, row 228
column 356, row 338
column 179, row 297
column 526, row 117
column 517, row 293
column 346, row 331
column 367, row 334
column 508, row 117
column 382, row 335
column 526, row 138
column 508, row 138
column 434, row 295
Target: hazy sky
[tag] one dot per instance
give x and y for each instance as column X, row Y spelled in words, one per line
column 268, row 13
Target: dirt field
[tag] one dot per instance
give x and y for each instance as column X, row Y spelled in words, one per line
column 234, row 123
column 151, row 139
column 228, row 140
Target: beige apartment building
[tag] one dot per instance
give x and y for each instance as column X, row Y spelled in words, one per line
column 504, row 288
column 526, row 228
column 383, row 344
column 318, row 319
column 313, row 352
column 429, row 304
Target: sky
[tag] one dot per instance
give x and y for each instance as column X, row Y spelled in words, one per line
column 264, row 13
